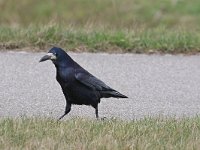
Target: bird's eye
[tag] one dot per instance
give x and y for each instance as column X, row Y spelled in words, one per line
column 55, row 54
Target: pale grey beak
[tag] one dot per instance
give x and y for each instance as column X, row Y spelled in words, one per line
column 48, row 56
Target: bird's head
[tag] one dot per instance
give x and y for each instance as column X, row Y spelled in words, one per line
column 56, row 55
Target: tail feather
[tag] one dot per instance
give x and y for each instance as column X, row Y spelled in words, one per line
column 112, row 93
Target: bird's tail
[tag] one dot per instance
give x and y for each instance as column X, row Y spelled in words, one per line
column 112, row 93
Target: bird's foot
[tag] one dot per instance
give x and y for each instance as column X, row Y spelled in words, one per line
column 60, row 118
column 102, row 119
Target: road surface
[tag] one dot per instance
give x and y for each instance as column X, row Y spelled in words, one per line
column 155, row 84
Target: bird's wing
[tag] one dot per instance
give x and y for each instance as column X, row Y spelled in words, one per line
column 91, row 81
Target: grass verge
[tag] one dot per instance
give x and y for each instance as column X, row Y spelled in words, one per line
column 101, row 25
column 100, row 40
column 148, row 133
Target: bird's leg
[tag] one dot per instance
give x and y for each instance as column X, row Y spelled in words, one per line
column 96, row 112
column 67, row 110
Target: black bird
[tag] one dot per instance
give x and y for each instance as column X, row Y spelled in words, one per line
column 78, row 85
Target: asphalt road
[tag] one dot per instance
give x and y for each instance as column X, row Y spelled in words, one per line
column 155, row 84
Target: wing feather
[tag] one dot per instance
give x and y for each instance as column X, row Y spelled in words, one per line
column 91, row 81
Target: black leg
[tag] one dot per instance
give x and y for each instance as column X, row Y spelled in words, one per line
column 96, row 112
column 67, row 110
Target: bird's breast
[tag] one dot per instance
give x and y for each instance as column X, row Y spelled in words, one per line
column 65, row 77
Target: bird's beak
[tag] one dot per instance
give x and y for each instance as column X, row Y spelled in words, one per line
column 48, row 56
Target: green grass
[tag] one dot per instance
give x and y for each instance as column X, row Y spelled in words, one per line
column 100, row 40
column 167, row 26
column 110, row 13
column 148, row 133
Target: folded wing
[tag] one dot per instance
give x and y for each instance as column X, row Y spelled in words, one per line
column 91, row 81
column 94, row 83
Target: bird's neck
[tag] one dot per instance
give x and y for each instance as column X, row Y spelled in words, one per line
column 64, row 63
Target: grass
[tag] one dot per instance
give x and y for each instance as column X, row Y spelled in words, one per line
column 110, row 13
column 168, row 26
column 77, row 133
column 100, row 40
